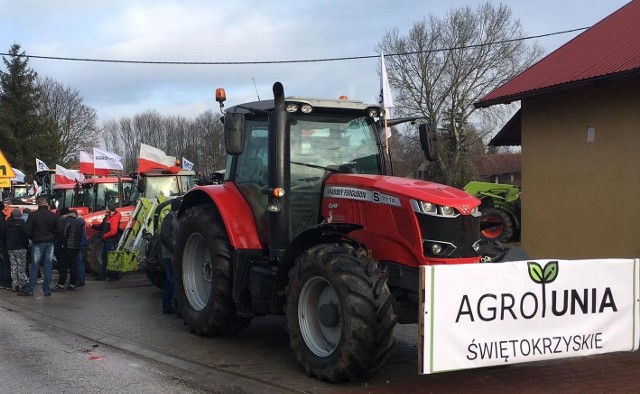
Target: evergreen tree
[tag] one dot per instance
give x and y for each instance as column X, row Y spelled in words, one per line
column 23, row 133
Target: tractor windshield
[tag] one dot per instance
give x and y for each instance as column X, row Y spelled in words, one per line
column 62, row 198
column 20, row 191
column 162, row 186
column 96, row 197
column 340, row 144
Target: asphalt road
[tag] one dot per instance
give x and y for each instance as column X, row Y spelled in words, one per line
column 38, row 358
column 50, row 341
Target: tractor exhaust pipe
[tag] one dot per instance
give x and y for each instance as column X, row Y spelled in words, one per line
column 279, row 175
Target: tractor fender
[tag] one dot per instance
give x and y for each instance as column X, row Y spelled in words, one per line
column 323, row 233
column 234, row 210
column 319, row 234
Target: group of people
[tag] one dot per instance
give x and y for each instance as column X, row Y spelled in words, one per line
column 30, row 239
column 35, row 240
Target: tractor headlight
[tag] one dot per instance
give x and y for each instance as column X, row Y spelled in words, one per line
column 292, row 107
column 429, row 208
column 447, row 211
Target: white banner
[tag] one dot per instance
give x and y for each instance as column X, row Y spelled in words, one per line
column 106, row 160
column 480, row 315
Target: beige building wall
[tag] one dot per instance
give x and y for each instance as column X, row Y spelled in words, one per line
column 581, row 172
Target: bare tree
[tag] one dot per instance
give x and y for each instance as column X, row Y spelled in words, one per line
column 199, row 140
column 212, row 155
column 75, row 121
column 446, row 64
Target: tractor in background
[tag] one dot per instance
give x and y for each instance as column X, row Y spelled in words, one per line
column 139, row 246
column 500, row 209
column 94, row 195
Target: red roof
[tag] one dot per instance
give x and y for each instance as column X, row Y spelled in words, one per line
column 497, row 164
column 609, row 48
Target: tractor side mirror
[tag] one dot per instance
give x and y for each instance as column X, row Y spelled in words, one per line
column 140, row 185
column 428, row 141
column 234, row 133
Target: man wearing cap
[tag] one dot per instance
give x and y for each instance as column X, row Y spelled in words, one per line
column 17, row 243
column 110, row 226
column 42, row 227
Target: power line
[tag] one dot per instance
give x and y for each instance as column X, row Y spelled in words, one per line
column 334, row 59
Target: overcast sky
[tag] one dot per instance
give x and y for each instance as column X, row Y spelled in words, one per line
column 240, row 30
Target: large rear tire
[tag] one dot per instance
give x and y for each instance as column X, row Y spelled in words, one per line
column 496, row 225
column 339, row 313
column 94, row 254
column 203, row 274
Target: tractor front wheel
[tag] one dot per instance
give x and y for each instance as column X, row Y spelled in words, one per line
column 496, row 225
column 202, row 277
column 339, row 313
column 93, row 258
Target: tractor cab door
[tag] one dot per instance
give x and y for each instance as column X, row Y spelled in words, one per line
column 251, row 174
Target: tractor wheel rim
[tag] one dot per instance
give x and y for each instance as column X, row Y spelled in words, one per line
column 318, row 299
column 197, row 271
column 495, row 231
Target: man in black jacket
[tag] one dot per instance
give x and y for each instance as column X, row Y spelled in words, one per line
column 70, row 243
column 42, row 227
column 17, row 243
column 168, row 231
column 5, row 264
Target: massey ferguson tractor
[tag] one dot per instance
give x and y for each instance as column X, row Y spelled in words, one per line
column 310, row 223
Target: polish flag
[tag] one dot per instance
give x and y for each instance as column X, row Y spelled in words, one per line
column 65, row 176
column 153, row 158
column 87, row 167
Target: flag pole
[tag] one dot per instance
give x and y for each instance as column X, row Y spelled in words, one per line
column 386, row 132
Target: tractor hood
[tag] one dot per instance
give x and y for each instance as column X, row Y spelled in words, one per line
column 410, row 188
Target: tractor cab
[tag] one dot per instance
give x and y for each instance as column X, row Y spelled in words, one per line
column 97, row 193
column 321, row 138
column 155, row 183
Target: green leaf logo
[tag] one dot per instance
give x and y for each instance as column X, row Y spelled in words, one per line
column 535, row 272
column 543, row 276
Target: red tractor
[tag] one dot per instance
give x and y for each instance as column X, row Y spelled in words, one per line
column 310, row 223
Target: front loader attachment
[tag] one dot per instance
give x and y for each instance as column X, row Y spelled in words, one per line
column 130, row 249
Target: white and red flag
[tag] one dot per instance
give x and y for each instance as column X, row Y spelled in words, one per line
column 153, row 158
column 87, row 167
column 64, row 175
column 106, row 160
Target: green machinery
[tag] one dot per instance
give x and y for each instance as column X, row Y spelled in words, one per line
column 138, row 247
column 500, row 210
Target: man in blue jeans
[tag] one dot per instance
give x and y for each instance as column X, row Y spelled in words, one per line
column 42, row 227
